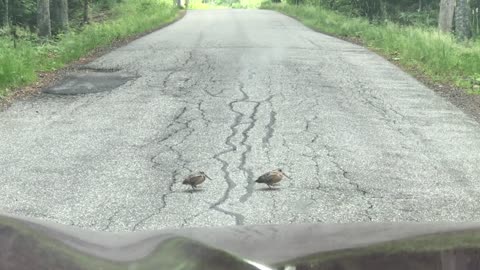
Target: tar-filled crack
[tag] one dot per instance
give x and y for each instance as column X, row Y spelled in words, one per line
column 243, row 157
column 272, row 120
column 239, row 219
column 202, row 114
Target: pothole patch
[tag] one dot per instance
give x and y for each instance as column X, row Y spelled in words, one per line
column 87, row 81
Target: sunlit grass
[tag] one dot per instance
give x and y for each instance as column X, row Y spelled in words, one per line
column 435, row 54
column 248, row 4
column 199, row 4
column 220, row 4
column 19, row 66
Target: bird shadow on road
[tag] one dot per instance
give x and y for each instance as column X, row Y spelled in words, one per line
column 269, row 189
column 190, row 191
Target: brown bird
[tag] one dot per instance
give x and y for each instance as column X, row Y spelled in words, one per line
column 195, row 179
column 271, row 178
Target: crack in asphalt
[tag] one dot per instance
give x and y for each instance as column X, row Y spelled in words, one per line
column 243, row 157
column 251, row 183
column 211, row 81
column 110, row 220
column 202, row 114
column 345, row 175
column 272, row 121
column 171, row 147
column 387, row 110
column 239, row 219
column 332, row 158
column 176, row 131
column 181, row 67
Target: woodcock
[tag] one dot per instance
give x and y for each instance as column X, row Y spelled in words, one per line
column 271, row 178
column 195, row 179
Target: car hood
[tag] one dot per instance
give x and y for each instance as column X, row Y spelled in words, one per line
column 27, row 243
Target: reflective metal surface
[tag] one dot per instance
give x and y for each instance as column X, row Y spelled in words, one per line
column 35, row 244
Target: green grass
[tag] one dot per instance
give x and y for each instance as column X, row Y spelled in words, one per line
column 19, row 66
column 437, row 55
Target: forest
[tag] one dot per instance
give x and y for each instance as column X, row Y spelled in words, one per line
column 405, row 30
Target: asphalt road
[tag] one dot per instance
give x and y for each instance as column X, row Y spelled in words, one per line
column 237, row 93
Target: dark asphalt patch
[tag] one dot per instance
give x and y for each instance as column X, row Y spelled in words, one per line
column 89, row 82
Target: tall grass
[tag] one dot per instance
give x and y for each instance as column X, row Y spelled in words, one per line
column 19, row 66
column 435, row 54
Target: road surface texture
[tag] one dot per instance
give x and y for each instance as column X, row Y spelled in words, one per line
column 236, row 93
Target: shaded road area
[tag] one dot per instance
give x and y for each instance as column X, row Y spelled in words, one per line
column 236, row 93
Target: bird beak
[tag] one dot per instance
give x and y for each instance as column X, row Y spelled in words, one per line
column 208, row 177
column 286, row 175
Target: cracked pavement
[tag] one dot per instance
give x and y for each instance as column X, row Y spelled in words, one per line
column 236, row 93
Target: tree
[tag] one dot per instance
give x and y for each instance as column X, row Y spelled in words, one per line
column 6, row 15
column 59, row 15
column 445, row 17
column 86, row 17
column 462, row 20
column 43, row 18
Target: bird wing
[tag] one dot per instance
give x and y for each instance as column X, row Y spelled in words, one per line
column 189, row 179
column 264, row 178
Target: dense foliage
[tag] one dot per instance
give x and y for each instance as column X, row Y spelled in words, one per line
column 23, row 12
column 408, row 12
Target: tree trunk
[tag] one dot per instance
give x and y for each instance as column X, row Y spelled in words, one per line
column 445, row 18
column 462, row 20
column 43, row 18
column 6, row 15
column 60, row 16
column 86, row 16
